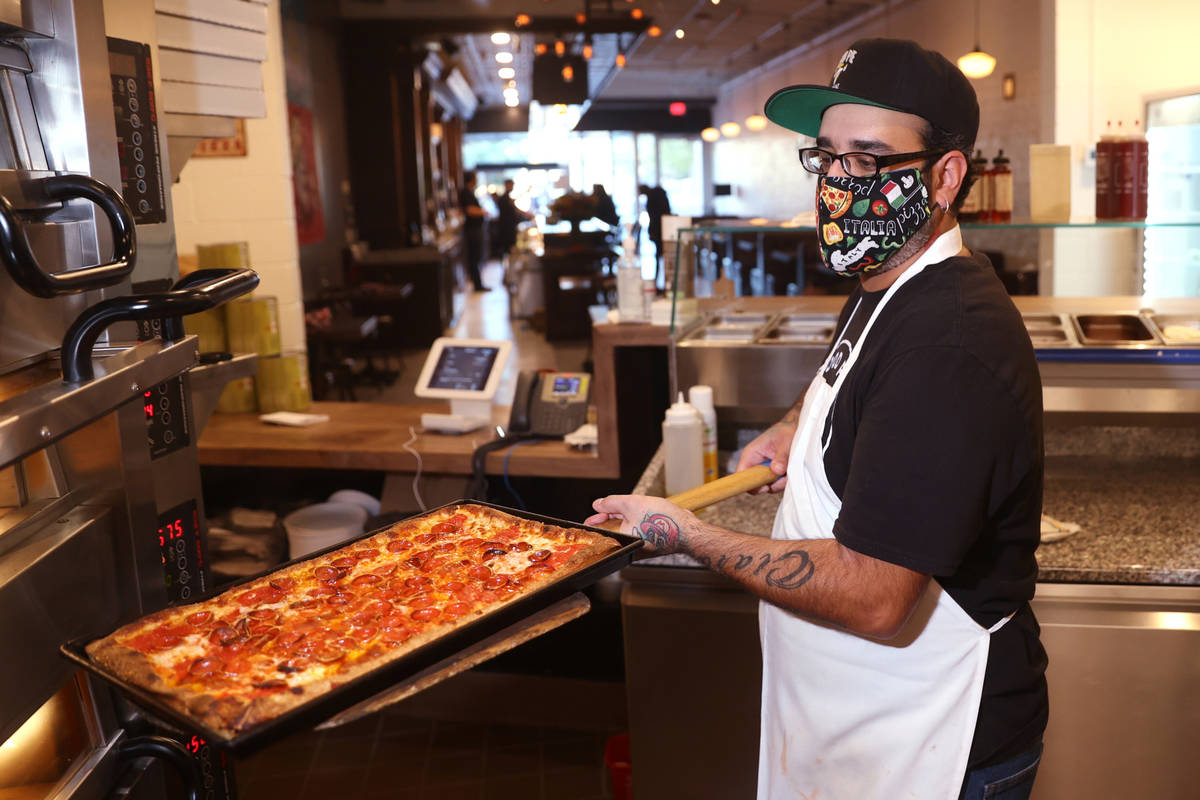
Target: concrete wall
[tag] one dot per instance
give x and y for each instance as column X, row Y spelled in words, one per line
column 250, row 199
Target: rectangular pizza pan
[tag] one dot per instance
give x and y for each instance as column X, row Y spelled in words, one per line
column 319, row 709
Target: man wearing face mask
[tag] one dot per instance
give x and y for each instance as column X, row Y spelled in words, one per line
column 900, row 654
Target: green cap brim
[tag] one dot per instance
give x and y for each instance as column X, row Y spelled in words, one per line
column 799, row 108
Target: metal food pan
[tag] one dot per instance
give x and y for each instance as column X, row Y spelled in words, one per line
column 1042, row 321
column 740, row 319
column 319, row 709
column 723, row 334
column 1113, row 329
column 824, row 320
column 1048, row 337
column 1166, row 326
column 797, row 334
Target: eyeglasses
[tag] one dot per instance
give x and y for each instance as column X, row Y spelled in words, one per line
column 858, row 165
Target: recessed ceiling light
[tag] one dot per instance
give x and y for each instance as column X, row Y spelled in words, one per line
column 500, row 37
column 504, row 57
column 512, row 101
column 679, row 33
column 506, row 73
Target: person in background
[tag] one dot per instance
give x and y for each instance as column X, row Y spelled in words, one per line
column 474, row 222
column 509, row 217
column 657, row 206
column 606, row 209
column 901, row 656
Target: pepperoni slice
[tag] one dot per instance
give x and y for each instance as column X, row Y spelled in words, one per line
column 366, row 633
column 325, row 573
column 386, row 593
column 206, row 667
column 283, row 584
column 458, row 609
column 481, row 572
column 446, row 547
column 520, row 547
column 537, row 570
column 264, row 613
column 540, row 555
column 366, row 579
column 399, row 546
column 422, row 601
column 289, row 639
column 417, row 580
column 301, row 605
column 238, row 666
column 425, row 614
column 453, row 586
column 396, row 635
column 224, row 636
column 199, row 617
column 346, row 562
column 249, row 598
column 445, row 527
column 368, row 553
column 385, row 570
column 378, row 608
column 495, row 582
column 346, row 643
column 329, row 654
column 272, row 685
column 492, row 552
column 393, row 621
column 292, row 665
column 339, row 599
column 426, row 538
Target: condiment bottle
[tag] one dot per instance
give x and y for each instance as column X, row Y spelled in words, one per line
column 683, row 446
column 1140, row 156
column 973, row 205
column 1125, row 171
column 701, row 398
column 1002, row 189
column 1106, row 186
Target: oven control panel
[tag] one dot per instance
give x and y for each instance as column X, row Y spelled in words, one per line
column 165, row 406
column 216, row 769
column 137, row 130
column 182, row 552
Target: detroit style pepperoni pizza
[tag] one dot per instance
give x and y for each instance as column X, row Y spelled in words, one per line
column 267, row 646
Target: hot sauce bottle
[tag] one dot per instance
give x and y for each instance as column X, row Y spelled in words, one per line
column 1139, row 155
column 1106, row 184
column 1002, row 189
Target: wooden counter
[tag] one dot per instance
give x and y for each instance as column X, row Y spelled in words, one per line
column 371, row 436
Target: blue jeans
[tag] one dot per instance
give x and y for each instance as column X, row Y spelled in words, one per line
column 1008, row 780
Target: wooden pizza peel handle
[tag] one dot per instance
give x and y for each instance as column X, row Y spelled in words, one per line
column 713, row 492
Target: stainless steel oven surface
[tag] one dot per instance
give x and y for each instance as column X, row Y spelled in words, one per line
column 98, row 430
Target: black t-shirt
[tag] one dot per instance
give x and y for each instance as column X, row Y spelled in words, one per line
column 934, row 445
column 467, row 199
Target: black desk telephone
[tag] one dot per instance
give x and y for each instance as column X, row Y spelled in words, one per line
column 550, row 403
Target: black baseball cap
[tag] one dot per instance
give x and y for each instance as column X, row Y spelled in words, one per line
column 897, row 74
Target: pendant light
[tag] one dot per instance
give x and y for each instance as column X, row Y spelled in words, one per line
column 710, row 134
column 976, row 64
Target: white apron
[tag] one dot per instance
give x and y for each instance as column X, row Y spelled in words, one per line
column 846, row 717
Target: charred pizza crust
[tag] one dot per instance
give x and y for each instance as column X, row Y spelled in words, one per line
column 230, row 712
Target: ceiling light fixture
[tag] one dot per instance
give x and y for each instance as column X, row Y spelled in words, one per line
column 581, row 18
column 716, row 2
column 506, row 73
column 587, row 51
column 679, row 34
column 636, row 13
column 512, row 101
column 510, row 84
column 540, row 48
column 730, row 129
column 710, row 134
column 560, row 47
column 500, row 37
column 522, row 20
column 621, row 60
column 654, row 30
column 756, row 122
column 976, row 64
column 568, row 73
column 504, row 57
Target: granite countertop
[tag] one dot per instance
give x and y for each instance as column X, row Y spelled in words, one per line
column 1135, row 493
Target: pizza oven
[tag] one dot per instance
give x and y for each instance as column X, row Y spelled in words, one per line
column 102, row 398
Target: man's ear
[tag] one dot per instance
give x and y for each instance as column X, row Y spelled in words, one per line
column 948, row 176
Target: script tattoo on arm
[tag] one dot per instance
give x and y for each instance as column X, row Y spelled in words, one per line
column 789, row 570
column 659, row 530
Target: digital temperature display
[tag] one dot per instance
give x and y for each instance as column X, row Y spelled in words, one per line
column 182, row 555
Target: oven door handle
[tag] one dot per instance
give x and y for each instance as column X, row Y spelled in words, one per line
column 23, row 264
column 170, row 751
column 215, row 287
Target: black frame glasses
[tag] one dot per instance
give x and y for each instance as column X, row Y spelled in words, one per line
column 859, row 165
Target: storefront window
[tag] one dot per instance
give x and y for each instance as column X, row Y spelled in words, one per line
column 681, row 174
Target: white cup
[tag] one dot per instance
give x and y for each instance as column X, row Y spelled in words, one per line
column 323, row 525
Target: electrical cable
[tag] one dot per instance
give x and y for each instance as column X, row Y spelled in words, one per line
column 507, row 485
column 416, row 478
column 477, row 487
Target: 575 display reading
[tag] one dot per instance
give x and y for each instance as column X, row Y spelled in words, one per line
column 183, row 563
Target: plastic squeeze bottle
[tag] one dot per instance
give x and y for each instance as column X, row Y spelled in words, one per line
column 701, row 398
column 683, row 442
column 631, row 303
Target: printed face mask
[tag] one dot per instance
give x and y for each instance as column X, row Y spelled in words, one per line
column 862, row 222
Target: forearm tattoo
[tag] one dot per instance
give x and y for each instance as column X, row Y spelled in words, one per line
column 659, row 530
column 789, row 570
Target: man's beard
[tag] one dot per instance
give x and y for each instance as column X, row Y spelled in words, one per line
column 909, row 249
